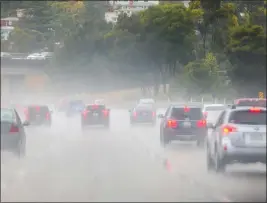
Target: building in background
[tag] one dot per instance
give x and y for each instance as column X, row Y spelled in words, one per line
column 7, row 25
column 128, row 7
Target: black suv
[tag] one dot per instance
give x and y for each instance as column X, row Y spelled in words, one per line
column 184, row 123
column 95, row 114
column 38, row 115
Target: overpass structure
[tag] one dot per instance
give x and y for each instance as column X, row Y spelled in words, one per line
column 22, row 80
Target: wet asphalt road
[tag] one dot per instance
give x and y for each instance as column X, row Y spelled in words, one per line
column 121, row 164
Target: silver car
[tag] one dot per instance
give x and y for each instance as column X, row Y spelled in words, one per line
column 13, row 136
column 212, row 111
column 239, row 135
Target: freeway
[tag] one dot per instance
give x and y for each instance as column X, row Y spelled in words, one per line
column 121, row 164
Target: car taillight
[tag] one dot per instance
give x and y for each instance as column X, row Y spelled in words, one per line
column 254, row 110
column 105, row 112
column 153, row 114
column 201, row 123
column 95, row 106
column 172, row 123
column 37, row 108
column 228, row 129
column 47, row 116
column 84, row 113
column 14, row 129
column 134, row 113
column 186, row 109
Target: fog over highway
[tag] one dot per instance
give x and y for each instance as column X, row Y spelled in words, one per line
column 123, row 163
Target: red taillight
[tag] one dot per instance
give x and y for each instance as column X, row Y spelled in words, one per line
column 105, row 112
column 84, row 113
column 172, row 123
column 254, row 110
column 201, row 123
column 95, row 106
column 47, row 116
column 153, row 114
column 134, row 113
column 14, row 129
column 37, row 108
column 186, row 109
column 228, row 129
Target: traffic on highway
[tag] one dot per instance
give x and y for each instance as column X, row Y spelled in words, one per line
column 177, row 152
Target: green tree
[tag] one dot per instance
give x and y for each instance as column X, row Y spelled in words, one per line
column 201, row 76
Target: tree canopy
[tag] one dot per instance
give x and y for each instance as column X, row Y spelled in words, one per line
column 163, row 43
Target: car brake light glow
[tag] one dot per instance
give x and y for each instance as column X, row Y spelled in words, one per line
column 47, row 116
column 201, row 123
column 14, row 129
column 186, row 109
column 254, row 110
column 172, row 123
column 105, row 112
column 37, row 108
column 134, row 113
column 95, row 106
column 228, row 129
column 84, row 113
column 153, row 114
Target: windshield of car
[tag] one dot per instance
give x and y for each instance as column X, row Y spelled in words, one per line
column 42, row 110
column 95, row 107
column 247, row 117
column 186, row 113
column 147, row 107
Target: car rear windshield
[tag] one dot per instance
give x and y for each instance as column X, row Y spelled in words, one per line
column 38, row 109
column 183, row 113
column 247, row 117
column 76, row 103
column 7, row 115
column 95, row 107
column 261, row 103
column 214, row 108
column 144, row 107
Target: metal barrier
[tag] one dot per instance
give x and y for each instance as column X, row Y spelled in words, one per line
column 22, row 62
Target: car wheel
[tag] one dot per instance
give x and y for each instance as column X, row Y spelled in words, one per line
column 21, row 150
column 210, row 164
column 164, row 141
column 219, row 163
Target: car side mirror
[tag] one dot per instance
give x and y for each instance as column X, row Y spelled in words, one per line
column 210, row 125
column 26, row 123
column 160, row 116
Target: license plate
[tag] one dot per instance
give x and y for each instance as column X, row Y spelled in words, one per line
column 256, row 138
column 187, row 124
column 95, row 114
